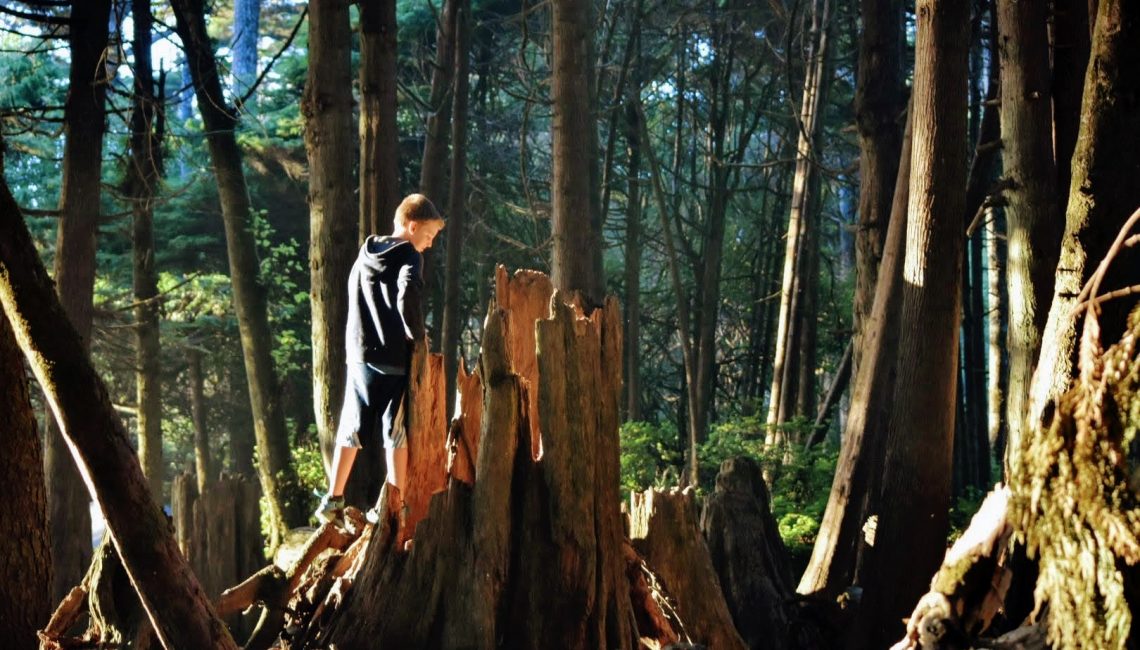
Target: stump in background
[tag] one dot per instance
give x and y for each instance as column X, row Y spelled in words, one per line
column 663, row 526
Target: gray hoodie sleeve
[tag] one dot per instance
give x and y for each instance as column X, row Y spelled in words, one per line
column 409, row 294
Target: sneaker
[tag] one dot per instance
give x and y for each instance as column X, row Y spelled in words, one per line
column 330, row 509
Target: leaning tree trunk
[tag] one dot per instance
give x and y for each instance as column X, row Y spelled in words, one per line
column 1070, row 51
column 170, row 593
column 274, row 465
column 379, row 138
column 1103, row 193
column 915, row 497
column 25, row 553
column 633, row 247
column 327, row 107
column 143, row 176
column 879, row 102
column 1032, row 224
column 855, row 486
column 84, row 125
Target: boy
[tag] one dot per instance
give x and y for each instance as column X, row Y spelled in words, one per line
column 385, row 319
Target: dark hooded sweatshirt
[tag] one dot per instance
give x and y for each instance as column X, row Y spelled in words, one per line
column 384, row 309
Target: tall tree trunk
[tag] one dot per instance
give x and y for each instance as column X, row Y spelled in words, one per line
column 633, row 244
column 274, row 465
column 575, row 210
column 1071, row 29
column 915, row 497
column 84, row 125
column 879, row 101
column 243, row 45
column 855, row 487
column 457, row 201
column 25, row 551
column 1033, row 227
column 801, row 221
column 171, row 595
column 204, row 470
column 1103, row 193
column 333, row 227
column 143, row 177
column 379, row 137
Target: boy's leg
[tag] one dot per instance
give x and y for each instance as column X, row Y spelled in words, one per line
column 397, row 459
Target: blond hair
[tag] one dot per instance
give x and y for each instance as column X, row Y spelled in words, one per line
column 415, row 207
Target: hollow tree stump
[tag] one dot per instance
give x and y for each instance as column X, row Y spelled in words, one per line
column 521, row 546
column 663, row 526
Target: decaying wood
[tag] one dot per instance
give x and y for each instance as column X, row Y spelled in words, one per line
column 66, row 614
column 663, row 526
column 969, row 588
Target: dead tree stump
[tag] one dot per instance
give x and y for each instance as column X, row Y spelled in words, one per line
column 521, row 545
column 663, row 526
column 748, row 554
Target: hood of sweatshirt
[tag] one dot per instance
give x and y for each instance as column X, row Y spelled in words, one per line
column 383, row 252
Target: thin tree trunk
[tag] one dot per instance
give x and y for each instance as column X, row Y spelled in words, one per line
column 333, row 228
column 915, row 496
column 379, row 137
column 1034, row 229
column 274, row 465
column 433, row 165
column 854, row 489
column 577, row 233
column 143, row 176
column 1103, row 194
column 633, row 245
column 84, row 125
column 25, row 550
column 801, row 220
column 203, row 462
column 457, row 205
column 171, row 595
column 996, row 311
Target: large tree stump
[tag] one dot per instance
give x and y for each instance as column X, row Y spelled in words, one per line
column 748, row 554
column 522, row 545
column 663, row 526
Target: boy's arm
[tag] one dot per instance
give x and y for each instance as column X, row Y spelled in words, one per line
column 409, row 297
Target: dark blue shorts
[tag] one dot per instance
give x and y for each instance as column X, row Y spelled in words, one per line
column 372, row 398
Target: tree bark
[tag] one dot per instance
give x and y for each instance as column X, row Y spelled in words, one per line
column 74, row 272
column 203, row 460
column 996, row 305
column 457, row 202
column 143, row 176
column 274, row 465
column 879, row 101
column 327, row 108
column 379, row 137
column 170, row 593
column 919, row 436
column 1101, row 197
column 25, row 549
column 575, row 211
column 1033, row 227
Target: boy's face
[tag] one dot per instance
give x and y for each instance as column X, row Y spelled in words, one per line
column 422, row 233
